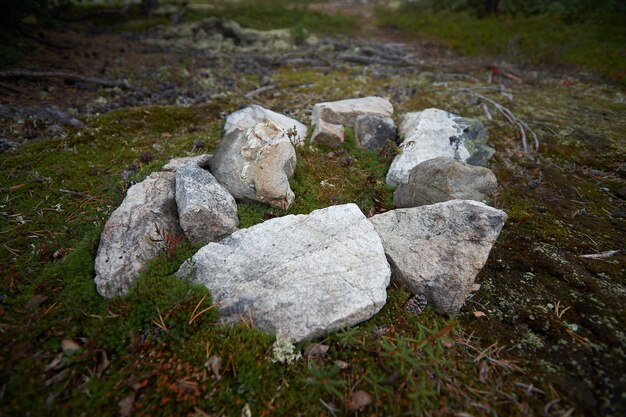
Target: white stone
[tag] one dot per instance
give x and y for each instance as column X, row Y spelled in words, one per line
column 174, row 163
column 133, row 235
column 327, row 134
column 207, row 211
column 256, row 165
column 249, row 117
column 345, row 112
column 438, row 250
column 436, row 133
column 297, row 276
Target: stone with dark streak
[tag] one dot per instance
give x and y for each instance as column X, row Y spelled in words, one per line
column 438, row 250
column 299, row 276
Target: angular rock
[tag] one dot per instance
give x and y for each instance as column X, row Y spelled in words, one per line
column 174, row 163
column 327, row 134
column 206, row 210
column 249, row 117
column 133, row 235
column 433, row 133
column 256, row 164
column 298, row 276
column 438, row 250
column 373, row 131
column 345, row 112
column 443, row 179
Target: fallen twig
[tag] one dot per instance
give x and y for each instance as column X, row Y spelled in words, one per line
column 601, row 255
column 75, row 193
column 11, row 88
column 259, row 90
column 23, row 73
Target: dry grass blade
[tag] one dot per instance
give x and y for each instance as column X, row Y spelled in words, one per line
column 201, row 312
column 196, row 308
column 160, row 323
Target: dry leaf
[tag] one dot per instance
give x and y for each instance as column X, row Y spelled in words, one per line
column 36, row 301
column 479, row 314
column 483, row 371
column 359, row 400
column 447, row 343
column 126, row 406
column 215, row 365
column 55, row 364
column 69, row 346
column 316, row 351
column 103, row 364
column 342, row 364
column 56, row 378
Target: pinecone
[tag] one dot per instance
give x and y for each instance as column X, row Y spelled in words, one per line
column 416, row 304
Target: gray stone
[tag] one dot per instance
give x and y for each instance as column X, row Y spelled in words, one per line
column 55, row 130
column 433, row 133
column 298, row 276
column 438, row 250
column 256, row 164
column 345, row 112
column 373, row 131
column 249, row 117
column 133, row 235
column 442, row 179
column 7, row 145
column 327, row 134
column 201, row 160
column 207, row 211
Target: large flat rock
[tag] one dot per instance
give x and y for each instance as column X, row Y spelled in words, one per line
column 434, row 133
column 133, row 235
column 299, row 276
column 438, row 250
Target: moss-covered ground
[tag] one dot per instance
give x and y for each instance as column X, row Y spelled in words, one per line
column 544, row 335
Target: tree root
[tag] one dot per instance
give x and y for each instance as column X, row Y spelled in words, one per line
column 22, row 73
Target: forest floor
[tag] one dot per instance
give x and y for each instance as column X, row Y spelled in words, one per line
column 544, row 335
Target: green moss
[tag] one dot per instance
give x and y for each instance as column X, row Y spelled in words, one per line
column 596, row 43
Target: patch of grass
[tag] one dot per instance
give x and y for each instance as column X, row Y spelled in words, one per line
column 279, row 14
column 596, row 43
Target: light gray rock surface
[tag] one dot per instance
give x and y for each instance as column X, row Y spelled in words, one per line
column 200, row 160
column 442, row 179
column 249, row 117
column 206, row 210
column 299, row 276
column 433, row 133
column 256, row 164
column 345, row 112
column 133, row 234
column 373, row 131
column 327, row 134
column 438, row 250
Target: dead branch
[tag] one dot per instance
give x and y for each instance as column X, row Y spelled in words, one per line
column 259, row 90
column 512, row 119
column 23, row 73
column 10, row 88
